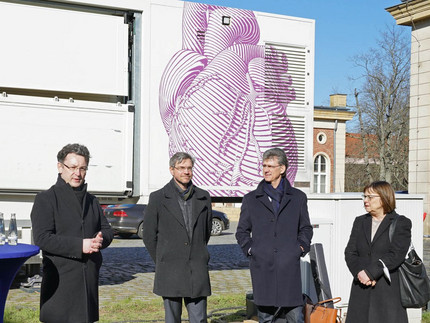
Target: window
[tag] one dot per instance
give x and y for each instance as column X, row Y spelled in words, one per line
column 321, row 138
column 320, row 174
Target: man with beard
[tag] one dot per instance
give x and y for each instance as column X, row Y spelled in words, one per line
column 176, row 229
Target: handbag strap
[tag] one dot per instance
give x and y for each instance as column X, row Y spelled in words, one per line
column 393, row 227
column 334, row 300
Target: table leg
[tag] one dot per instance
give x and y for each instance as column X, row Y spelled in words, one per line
column 9, row 268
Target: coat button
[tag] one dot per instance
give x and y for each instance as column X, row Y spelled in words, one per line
column 275, row 250
column 186, row 243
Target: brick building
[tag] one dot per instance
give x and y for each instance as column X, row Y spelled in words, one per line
column 329, row 145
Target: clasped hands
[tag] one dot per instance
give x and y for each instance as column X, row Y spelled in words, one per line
column 91, row 245
column 364, row 279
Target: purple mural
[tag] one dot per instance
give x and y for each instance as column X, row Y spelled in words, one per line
column 217, row 104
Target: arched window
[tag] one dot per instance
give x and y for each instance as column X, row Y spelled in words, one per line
column 320, row 174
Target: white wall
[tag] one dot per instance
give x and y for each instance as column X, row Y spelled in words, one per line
column 335, row 214
column 162, row 38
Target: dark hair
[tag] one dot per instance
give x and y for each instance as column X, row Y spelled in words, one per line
column 77, row 149
column 280, row 154
column 385, row 192
column 179, row 157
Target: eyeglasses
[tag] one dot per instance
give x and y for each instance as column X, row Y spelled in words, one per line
column 182, row 169
column 271, row 167
column 73, row 169
column 369, row 197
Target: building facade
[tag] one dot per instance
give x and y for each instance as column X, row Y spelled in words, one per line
column 416, row 14
column 329, row 145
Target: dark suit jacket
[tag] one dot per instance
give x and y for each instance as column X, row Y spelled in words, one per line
column 275, row 241
column 181, row 265
column 380, row 303
column 69, row 291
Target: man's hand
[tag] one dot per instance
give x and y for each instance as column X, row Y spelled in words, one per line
column 364, row 279
column 92, row 245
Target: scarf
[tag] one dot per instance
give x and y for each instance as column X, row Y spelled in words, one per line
column 186, row 205
column 275, row 194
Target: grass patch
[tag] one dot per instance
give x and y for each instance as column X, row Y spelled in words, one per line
column 19, row 314
column 129, row 309
column 221, row 308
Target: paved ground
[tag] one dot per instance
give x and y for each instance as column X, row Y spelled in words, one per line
column 128, row 270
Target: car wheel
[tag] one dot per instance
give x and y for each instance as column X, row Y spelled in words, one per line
column 217, row 227
column 140, row 231
column 125, row 235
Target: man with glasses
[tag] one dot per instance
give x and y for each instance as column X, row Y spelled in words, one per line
column 176, row 229
column 274, row 231
column 70, row 229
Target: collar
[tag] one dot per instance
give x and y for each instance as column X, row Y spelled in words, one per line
column 287, row 187
column 61, row 183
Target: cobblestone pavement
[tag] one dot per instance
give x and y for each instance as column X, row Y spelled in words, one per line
column 128, row 271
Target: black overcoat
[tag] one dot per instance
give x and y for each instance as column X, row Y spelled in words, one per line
column 69, row 291
column 380, row 303
column 274, row 241
column 181, row 265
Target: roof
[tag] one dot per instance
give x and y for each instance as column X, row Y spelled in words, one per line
column 354, row 146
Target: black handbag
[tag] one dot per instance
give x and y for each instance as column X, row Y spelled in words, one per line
column 413, row 279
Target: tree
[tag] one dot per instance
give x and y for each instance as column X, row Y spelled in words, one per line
column 382, row 105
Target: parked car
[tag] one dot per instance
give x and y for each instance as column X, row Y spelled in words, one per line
column 127, row 219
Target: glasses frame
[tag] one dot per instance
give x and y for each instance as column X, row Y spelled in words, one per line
column 82, row 169
column 369, row 197
column 271, row 166
column 183, row 169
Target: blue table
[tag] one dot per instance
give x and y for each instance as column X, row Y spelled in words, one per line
column 11, row 259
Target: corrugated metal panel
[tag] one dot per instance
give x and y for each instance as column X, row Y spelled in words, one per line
column 286, row 64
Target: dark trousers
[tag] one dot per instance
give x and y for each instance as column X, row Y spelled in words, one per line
column 285, row 314
column 196, row 307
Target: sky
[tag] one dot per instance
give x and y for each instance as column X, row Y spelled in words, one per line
column 343, row 29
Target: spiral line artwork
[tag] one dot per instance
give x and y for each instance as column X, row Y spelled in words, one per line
column 215, row 103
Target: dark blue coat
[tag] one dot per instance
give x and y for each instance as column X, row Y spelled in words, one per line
column 274, row 241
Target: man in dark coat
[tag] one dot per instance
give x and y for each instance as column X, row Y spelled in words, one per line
column 274, row 231
column 176, row 229
column 70, row 229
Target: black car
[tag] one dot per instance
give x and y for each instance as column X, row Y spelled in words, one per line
column 127, row 219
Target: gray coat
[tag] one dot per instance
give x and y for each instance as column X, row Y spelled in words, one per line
column 380, row 303
column 275, row 240
column 181, row 265
column 69, row 291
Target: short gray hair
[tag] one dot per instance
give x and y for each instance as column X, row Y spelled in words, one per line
column 77, row 149
column 179, row 157
column 281, row 156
